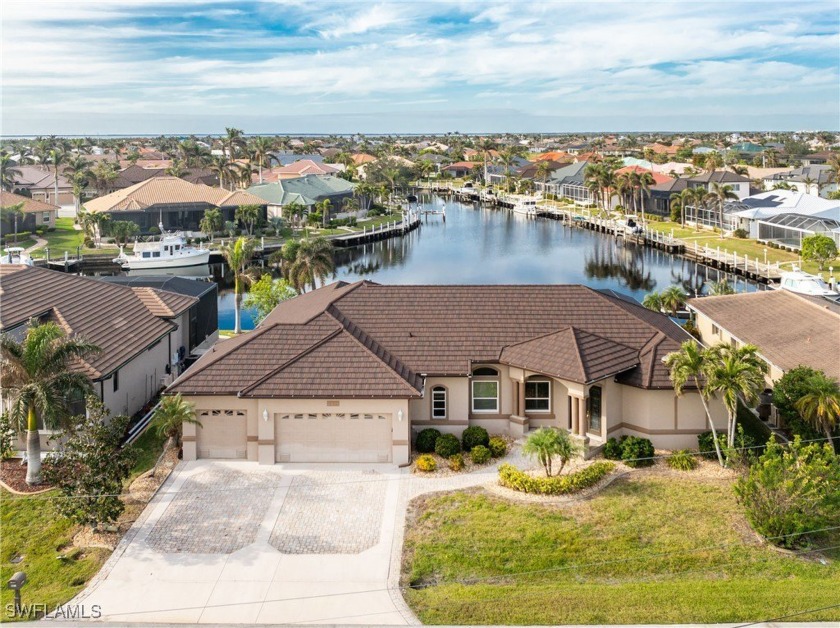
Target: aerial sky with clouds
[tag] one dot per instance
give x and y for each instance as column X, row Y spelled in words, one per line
column 316, row 66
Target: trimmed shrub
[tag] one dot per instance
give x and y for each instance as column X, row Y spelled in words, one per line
column 426, row 463
column 707, row 444
column 740, row 233
column 497, row 446
column 518, row 480
column 612, row 449
column 426, row 440
column 637, row 452
column 474, row 436
column 8, row 437
column 682, row 460
column 456, row 462
column 447, row 445
column 480, row 454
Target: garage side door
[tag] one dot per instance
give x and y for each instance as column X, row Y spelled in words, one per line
column 340, row 437
column 223, row 434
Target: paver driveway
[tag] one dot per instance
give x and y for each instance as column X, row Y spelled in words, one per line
column 242, row 543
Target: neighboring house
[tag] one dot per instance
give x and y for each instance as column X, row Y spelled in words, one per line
column 740, row 184
column 817, row 180
column 140, row 331
column 818, row 158
column 497, row 174
column 131, row 175
column 789, row 329
column 306, row 191
column 39, row 183
column 178, row 204
column 663, row 149
column 782, row 216
column 530, row 170
column 568, row 182
column 660, row 195
column 35, row 213
column 556, row 155
column 349, row 372
column 360, row 159
column 294, row 170
column 747, row 149
column 463, row 168
column 284, row 158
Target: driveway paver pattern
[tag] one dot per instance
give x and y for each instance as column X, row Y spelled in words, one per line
column 218, row 511
column 331, row 513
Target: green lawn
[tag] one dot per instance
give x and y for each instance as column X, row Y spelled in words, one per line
column 32, row 528
column 67, row 238
column 463, row 536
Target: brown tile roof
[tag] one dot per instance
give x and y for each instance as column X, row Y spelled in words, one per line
column 164, row 190
column 30, row 205
column 362, row 158
column 788, row 329
column 163, row 303
column 572, row 332
column 572, row 354
column 112, row 317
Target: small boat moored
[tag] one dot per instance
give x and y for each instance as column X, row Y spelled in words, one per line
column 526, row 207
column 16, row 255
column 804, row 283
column 171, row 251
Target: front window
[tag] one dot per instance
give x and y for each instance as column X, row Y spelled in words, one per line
column 46, row 216
column 438, row 402
column 538, row 396
column 485, row 390
column 594, row 409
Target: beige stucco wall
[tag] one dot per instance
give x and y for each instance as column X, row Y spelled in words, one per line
column 140, row 379
column 261, row 433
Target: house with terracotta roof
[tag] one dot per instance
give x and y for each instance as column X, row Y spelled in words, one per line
column 294, row 170
column 178, row 204
column 461, row 168
column 360, row 159
column 351, row 372
column 144, row 333
column 38, row 182
column 35, row 213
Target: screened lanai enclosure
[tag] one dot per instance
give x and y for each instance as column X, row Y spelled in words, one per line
column 791, row 229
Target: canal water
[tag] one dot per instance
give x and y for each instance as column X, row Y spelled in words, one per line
column 482, row 245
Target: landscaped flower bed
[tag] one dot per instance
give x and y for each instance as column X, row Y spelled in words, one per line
column 518, row 480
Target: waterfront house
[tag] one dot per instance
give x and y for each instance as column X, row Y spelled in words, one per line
column 660, row 195
column 300, row 168
column 178, row 204
column 462, row 168
column 351, row 372
column 34, row 213
column 817, row 179
column 38, row 182
column 739, row 183
column 305, row 191
column 568, row 182
column 789, row 329
column 145, row 334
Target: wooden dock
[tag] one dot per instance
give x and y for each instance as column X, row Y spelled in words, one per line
column 373, row 234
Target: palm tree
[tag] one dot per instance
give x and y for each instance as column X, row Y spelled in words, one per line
column 233, row 140
column 484, row 146
column 834, row 169
column 736, row 373
column 547, row 443
column 56, row 157
column 212, row 221
column 238, row 255
column 653, row 301
column 177, row 169
column 720, row 288
column 13, row 214
column 313, row 260
column 719, row 195
column 249, row 215
column 224, row 169
column 645, row 181
column 9, row 172
column 673, row 297
column 808, row 182
column 79, row 170
column 820, row 407
column 39, row 379
column 170, row 416
column 276, row 223
column 689, row 364
column 324, row 208
column 542, row 172
column 260, row 150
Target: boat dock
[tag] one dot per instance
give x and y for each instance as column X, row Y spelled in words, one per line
column 577, row 216
column 381, row 232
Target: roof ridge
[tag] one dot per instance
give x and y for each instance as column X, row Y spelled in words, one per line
column 545, row 335
column 290, row 361
column 579, row 353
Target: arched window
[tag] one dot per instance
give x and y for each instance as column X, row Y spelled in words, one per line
column 485, row 390
column 537, row 395
column 439, row 402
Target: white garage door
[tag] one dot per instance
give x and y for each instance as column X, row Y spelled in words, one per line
column 223, row 434
column 340, row 437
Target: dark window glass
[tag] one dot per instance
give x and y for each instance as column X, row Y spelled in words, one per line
column 594, row 409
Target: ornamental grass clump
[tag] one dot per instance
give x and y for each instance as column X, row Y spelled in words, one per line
column 682, row 460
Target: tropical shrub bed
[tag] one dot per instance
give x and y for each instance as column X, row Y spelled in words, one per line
column 632, row 450
column 516, row 479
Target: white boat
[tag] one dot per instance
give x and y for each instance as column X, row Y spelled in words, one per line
column 171, row 251
column 526, row 207
column 16, row 255
column 804, row 283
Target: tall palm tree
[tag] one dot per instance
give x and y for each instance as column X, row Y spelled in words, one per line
column 9, row 172
column 820, row 407
column 646, row 180
column 485, row 146
column 177, row 169
column 324, row 207
column 313, row 260
column 40, row 381
column 673, row 297
column 719, row 195
column 57, row 156
column 224, row 169
column 233, row 140
column 212, row 221
column 735, row 373
column 542, row 171
column 689, row 364
column 808, row 182
column 260, row 151
column 78, row 168
column 238, row 255
column 653, row 301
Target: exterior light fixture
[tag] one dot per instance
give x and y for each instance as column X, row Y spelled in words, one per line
column 400, row 415
column 265, row 415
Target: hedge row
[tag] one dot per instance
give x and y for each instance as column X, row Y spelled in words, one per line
column 518, row 480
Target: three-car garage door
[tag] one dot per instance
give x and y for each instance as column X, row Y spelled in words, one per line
column 223, row 434
column 339, row 437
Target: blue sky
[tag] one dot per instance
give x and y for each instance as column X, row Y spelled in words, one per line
column 309, row 66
